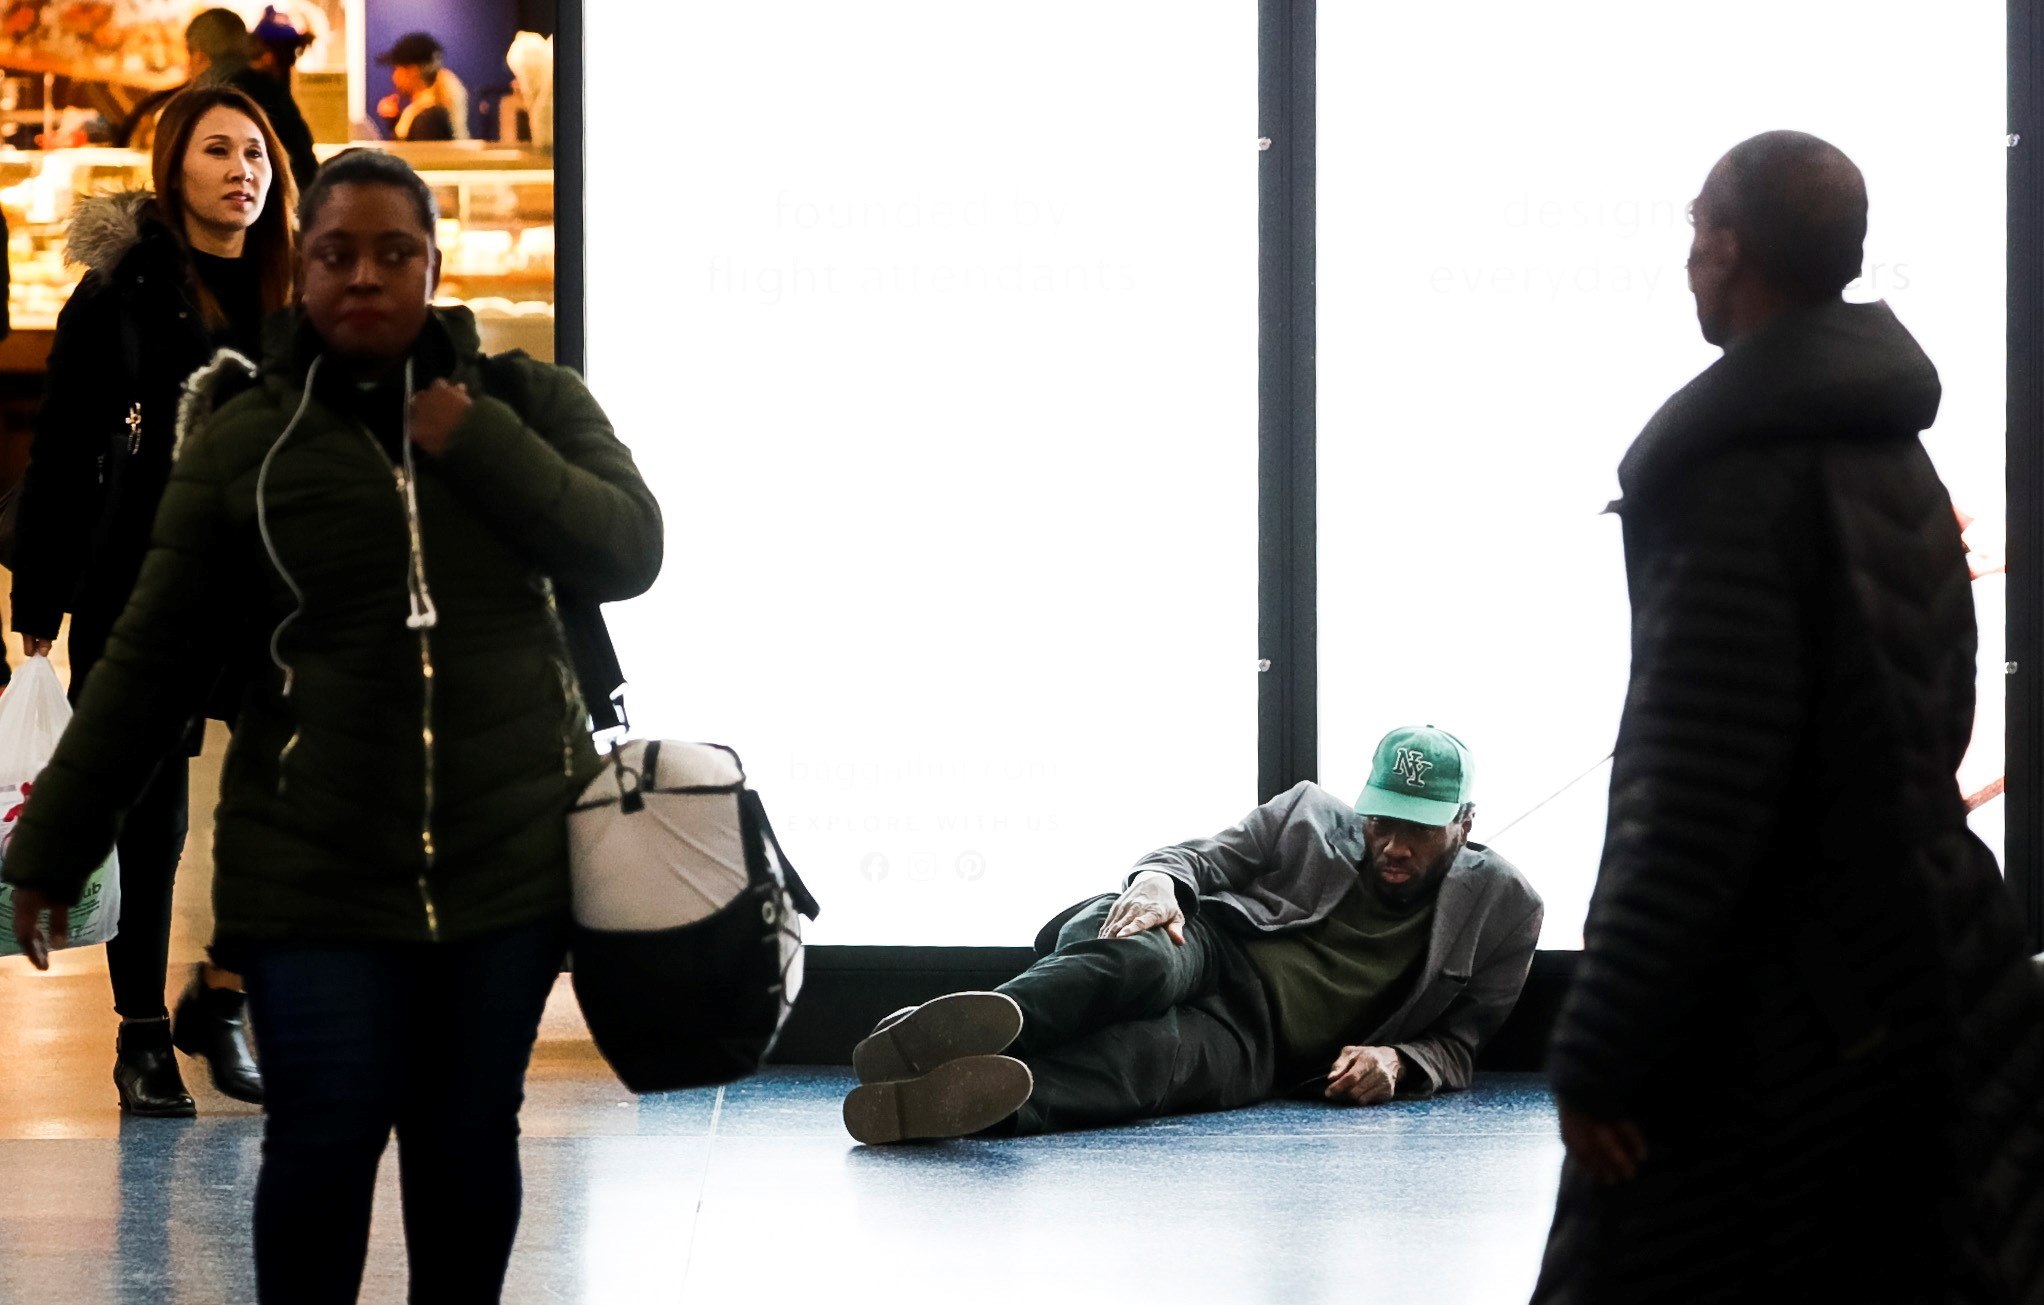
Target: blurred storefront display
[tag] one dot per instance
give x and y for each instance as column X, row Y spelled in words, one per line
column 496, row 235
column 76, row 76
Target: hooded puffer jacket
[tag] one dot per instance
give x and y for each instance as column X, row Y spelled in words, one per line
column 1802, row 977
column 403, row 770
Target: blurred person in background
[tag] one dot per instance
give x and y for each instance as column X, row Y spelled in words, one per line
column 1803, row 1058
column 406, row 524
column 278, row 45
column 531, row 60
column 430, row 103
column 172, row 274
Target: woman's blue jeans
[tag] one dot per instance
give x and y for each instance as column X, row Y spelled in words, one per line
column 429, row 1039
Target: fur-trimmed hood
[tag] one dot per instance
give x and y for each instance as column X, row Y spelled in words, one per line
column 228, row 373
column 105, row 229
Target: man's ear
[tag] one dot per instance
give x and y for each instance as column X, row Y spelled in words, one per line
column 1729, row 251
column 1720, row 246
column 433, row 273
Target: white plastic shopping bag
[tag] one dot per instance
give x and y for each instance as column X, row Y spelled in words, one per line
column 33, row 714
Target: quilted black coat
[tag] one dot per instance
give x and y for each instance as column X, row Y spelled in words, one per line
column 1802, row 975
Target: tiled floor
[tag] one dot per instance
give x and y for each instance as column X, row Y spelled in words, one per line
column 756, row 1194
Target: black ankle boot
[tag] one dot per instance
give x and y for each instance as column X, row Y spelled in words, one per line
column 210, row 1025
column 145, row 1072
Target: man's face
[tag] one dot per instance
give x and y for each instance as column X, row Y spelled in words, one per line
column 1404, row 861
column 368, row 272
column 1713, row 259
column 409, row 79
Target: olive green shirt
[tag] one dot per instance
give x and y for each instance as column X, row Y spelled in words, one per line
column 1332, row 982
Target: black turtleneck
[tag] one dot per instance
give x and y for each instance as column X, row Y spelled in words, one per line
column 238, row 286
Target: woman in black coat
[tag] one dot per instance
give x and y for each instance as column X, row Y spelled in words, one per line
column 172, row 275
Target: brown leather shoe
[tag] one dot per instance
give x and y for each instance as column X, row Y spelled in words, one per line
column 917, row 1039
column 957, row 1099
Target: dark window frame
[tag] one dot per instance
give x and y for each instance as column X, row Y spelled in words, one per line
column 1287, row 531
column 571, row 180
column 2025, row 435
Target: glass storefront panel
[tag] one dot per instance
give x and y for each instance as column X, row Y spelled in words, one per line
column 934, row 328
column 1503, row 225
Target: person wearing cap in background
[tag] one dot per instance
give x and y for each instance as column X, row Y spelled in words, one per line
column 1363, row 951
column 278, row 45
column 430, row 102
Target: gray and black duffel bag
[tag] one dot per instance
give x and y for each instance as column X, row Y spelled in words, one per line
column 687, row 940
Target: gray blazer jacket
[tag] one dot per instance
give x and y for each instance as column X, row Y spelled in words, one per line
column 1293, row 858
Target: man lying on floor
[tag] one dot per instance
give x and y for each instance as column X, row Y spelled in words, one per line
column 1367, row 953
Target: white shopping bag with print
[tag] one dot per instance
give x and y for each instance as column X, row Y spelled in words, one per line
column 33, row 714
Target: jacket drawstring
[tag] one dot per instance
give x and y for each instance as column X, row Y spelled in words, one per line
column 263, row 527
column 423, row 614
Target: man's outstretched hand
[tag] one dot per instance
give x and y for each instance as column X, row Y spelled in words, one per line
column 1365, row 1076
column 1609, row 1151
column 1150, row 902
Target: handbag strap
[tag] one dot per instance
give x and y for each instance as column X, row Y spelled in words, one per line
column 633, row 785
column 798, row 892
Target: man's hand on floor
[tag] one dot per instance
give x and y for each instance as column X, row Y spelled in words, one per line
column 1365, row 1076
column 1148, row 903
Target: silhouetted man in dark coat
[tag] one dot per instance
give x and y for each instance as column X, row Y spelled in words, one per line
column 1801, row 1059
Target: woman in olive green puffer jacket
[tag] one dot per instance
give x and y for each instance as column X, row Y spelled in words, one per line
column 377, row 523
column 385, row 782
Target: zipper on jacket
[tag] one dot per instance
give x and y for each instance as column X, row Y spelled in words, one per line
column 576, row 710
column 284, row 754
column 418, row 574
column 426, row 815
column 291, row 743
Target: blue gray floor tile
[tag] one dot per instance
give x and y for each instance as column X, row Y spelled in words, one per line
column 756, row 1194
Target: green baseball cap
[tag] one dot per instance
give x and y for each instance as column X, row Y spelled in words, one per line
column 1421, row 774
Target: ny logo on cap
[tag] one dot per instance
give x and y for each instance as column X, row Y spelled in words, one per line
column 1413, row 767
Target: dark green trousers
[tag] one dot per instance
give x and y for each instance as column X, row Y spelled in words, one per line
column 1132, row 1028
